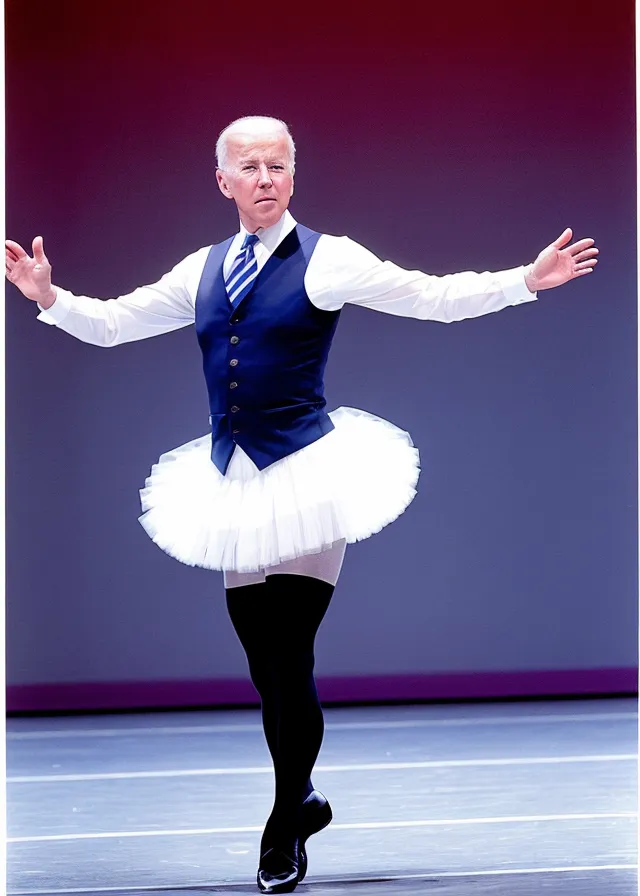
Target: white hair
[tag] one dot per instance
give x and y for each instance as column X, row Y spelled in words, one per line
column 256, row 125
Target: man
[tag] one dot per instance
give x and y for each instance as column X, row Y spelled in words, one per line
column 278, row 488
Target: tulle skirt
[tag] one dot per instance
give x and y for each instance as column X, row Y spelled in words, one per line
column 348, row 484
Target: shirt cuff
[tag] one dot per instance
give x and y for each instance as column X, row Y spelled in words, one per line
column 514, row 286
column 57, row 312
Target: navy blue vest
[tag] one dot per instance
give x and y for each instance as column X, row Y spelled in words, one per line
column 264, row 359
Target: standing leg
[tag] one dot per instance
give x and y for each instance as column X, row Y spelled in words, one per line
column 276, row 622
column 302, row 602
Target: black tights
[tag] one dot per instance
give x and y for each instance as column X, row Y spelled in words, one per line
column 276, row 622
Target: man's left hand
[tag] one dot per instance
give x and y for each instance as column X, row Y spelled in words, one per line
column 556, row 265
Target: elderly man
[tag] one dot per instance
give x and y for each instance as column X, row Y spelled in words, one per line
column 272, row 495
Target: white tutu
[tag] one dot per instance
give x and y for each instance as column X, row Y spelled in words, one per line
column 348, row 484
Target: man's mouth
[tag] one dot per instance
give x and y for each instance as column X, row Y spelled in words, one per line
column 266, row 199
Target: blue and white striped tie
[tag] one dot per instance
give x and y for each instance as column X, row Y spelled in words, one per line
column 244, row 271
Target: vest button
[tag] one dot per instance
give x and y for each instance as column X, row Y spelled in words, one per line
column 235, row 320
column 234, row 340
column 235, row 431
column 233, row 385
column 235, row 409
column 233, row 362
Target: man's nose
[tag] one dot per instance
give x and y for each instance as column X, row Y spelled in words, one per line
column 264, row 178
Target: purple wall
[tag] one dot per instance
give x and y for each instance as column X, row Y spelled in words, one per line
column 458, row 137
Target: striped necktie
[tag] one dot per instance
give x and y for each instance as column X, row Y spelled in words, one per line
column 244, row 271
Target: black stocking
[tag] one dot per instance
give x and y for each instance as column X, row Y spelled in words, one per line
column 276, row 622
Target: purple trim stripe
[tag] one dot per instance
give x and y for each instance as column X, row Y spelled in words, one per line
column 116, row 695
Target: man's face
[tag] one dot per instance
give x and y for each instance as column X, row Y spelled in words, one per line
column 258, row 178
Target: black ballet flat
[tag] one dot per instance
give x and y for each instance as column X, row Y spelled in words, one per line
column 316, row 815
column 278, row 872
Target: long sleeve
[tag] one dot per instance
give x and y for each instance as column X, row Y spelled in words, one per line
column 342, row 271
column 147, row 311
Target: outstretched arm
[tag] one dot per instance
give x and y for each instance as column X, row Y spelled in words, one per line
column 148, row 311
column 341, row 271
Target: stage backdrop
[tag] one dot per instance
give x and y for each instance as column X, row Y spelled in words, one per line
column 444, row 137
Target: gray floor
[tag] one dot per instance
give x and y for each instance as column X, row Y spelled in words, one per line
column 502, row 798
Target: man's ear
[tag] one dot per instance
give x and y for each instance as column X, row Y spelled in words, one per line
column 222, row 183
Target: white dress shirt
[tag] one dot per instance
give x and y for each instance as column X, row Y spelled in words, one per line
column 340, row 271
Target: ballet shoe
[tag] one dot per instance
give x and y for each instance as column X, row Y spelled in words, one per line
column 316, row 815
column 278, row 872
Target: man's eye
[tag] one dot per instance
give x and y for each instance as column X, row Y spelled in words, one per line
column 278, row 167
column 248, row 167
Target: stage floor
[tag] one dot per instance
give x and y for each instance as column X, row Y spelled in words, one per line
column 517, row 798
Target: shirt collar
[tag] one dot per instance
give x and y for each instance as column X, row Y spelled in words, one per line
column 271, row 237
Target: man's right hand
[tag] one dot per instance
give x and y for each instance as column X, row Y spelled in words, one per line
column 32, row 276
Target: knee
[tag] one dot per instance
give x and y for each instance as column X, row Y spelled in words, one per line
column 293, row 673
column 283, row 672
column 262, row 676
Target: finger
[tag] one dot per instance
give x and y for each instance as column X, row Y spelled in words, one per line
column 586, row 253
column 579, row 246
column 564, row 238
column 16, row 248
column 10, row 255
column 38, row 250
column 586, row 264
